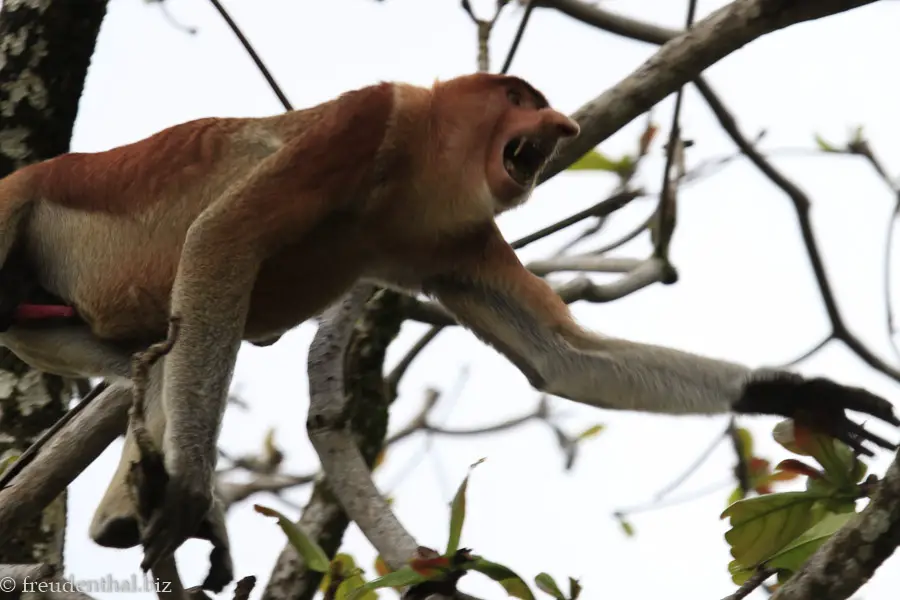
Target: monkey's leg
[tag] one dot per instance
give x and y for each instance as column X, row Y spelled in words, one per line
column 69, row 351
column 115, row 522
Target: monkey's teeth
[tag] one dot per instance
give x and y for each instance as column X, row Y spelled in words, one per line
column 519, row 147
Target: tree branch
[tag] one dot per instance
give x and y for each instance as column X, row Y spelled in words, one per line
column 682, row 59
column 63, row 457
column 345, row 470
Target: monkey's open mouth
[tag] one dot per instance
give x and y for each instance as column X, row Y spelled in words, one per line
column 523, row 158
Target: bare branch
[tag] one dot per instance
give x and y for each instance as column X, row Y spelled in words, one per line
column 601, row 209
column 529, row 8
column 253, row 55
column 64, row 457
column 756, row 580
column 650, row 271
column 344, row 467
column 802, row 205
column 594, row 264
column 682, row 59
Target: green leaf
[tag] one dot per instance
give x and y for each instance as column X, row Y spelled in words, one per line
column 546, row 584
column 574, row 589
column 736, row 495
column 400, row 578
column 763, row 525
column 514, row 585
column 825, row 146
column 590, row 432
column 594, row 161
column 627, row 527
column 739, row 573
column 458, row 513
column 794, row 555
column 345, row 567
column 7, row 459
column 313, row 555
column 745, row 439
column 836, row 458
column 625, row 167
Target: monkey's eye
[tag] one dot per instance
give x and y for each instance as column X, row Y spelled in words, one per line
column 514, row 97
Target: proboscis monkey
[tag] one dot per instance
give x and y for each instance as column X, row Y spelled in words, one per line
column 245, row 228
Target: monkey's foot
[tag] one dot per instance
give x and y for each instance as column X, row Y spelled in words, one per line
column 819, row 404
column 177, row 517
column 221, row 571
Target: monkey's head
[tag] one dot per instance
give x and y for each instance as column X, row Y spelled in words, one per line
column 506, row 123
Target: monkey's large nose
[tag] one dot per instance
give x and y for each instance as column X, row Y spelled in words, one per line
column 565, row 127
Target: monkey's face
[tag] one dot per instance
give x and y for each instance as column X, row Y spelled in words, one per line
column 499, row 132
column 526, row 137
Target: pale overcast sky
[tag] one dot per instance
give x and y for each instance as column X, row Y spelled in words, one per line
column 746, row 291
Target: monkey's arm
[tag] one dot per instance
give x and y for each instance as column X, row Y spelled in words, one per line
column 520, row 315
column 223, row 251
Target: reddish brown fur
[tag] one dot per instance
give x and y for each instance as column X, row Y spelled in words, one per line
column 334, row 192
column 127, row 179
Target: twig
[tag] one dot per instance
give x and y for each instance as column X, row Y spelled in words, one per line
column 808, row 353
column 741, row 468
column 396, row 374
column 625, row 238
column 698, row 462
column 484, row 28
column 650, row 271
column 681, row 60
column 584, row 263
column 601, row 209
column 529, row 7
column 747, row 588
column 231, row 493
column 164, row 9
column 253, row 55
column 802, row 206
column 888, row 280
column 687, row 497
column 665, row 212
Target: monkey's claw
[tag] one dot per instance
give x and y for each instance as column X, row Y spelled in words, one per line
column 819, row 404
column 176, row 519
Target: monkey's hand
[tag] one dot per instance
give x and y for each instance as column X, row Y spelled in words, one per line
column 178, row 515
column 818, row 403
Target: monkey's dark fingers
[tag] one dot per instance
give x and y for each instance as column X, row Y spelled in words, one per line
column 159, row 543
column 221, row 571
column 857, row 399
column 837, row 426
column 859, row 431
column 853, row 442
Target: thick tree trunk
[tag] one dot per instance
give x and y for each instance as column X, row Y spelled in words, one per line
column 45, row 50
